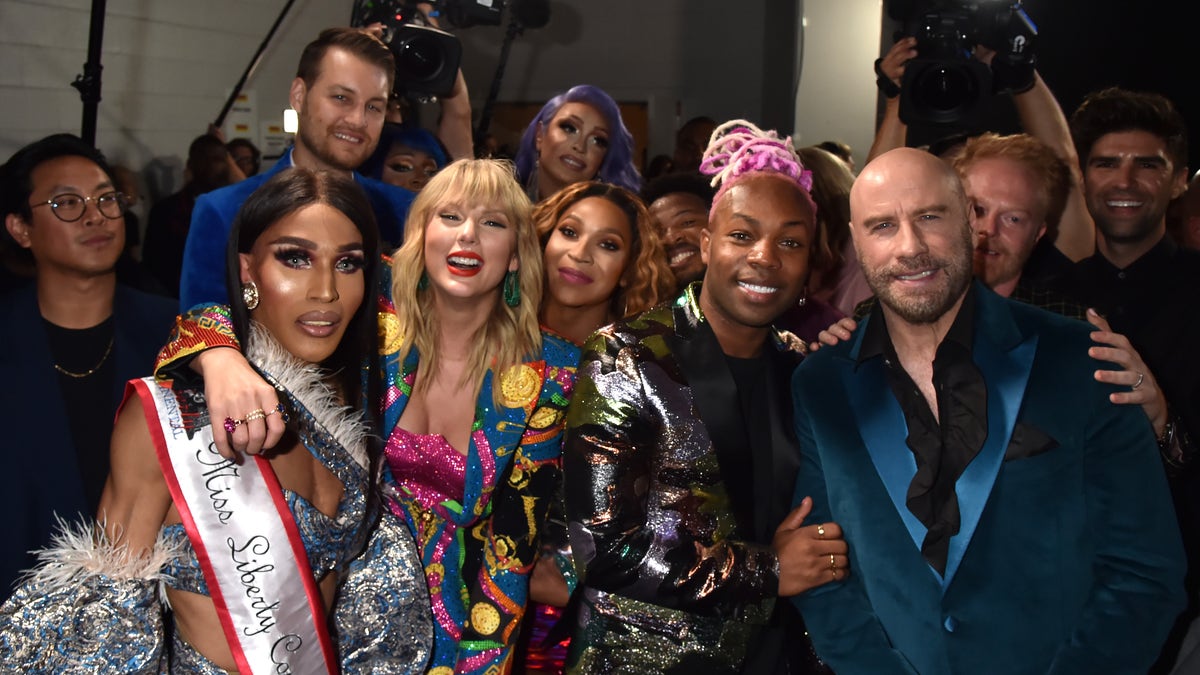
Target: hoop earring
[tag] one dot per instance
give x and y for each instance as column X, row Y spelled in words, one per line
column 512, row 289
column 250, row 295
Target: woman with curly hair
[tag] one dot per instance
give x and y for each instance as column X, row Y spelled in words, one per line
column 577, row 136
column 603, row 259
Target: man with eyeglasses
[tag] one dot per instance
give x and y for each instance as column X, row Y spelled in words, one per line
column 68, row 341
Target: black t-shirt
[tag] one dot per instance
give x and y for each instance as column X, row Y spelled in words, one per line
column 750, row 377
column 87, row 394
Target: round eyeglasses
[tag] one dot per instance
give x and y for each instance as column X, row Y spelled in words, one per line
column 69, row 207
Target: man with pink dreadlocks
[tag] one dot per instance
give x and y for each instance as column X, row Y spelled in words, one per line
column 680, row 455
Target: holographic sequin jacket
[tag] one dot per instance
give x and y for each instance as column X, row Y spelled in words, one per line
column 89, row 608
column 479, row 549
column 669, row 577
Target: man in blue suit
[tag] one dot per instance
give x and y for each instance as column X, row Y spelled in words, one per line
column 340, row 96
column 1002, row 516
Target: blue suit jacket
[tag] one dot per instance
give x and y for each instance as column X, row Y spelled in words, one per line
column 1068, row 558
column 43, row 474
column 202, row 279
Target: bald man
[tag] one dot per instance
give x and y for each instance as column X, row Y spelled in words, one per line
column 1001, row 515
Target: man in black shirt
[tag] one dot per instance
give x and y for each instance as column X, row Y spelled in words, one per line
column 1002, row 515
column 1133, row 147
column 68, row 342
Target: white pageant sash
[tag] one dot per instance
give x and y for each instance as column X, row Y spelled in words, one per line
column 247, row 543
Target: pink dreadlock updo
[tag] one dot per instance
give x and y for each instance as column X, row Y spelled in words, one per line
column 738, row 150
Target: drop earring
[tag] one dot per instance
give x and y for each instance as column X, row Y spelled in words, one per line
column 803, row 297
column 250, row 295
column 512, row 289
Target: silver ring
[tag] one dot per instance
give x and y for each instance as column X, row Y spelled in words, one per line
column 1141, row 377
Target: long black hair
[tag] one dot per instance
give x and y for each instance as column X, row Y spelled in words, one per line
column 284, row 194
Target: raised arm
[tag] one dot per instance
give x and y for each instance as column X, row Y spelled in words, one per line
column 1042, row 118
column 892, row 133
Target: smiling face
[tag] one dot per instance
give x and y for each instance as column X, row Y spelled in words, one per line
column 308, row 267
column 468, row 250
column 756, row 248
column 910, row 224
column 408, row 167
column 680, row 218
column 1010, row 216
column 341, row 114
column 1129, row 180
column 86, row 247
column 571, row 147
column 587, row 253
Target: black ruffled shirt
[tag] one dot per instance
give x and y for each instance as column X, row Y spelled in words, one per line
column 944, row 445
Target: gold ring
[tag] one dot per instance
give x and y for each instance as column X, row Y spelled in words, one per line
column 256, row 414
column 820, row 531
column 832, row 562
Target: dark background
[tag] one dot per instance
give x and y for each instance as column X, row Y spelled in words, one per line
column 1088, row 45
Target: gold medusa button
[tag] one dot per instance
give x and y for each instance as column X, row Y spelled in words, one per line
column 485, row 618
column 543, row 418
column 518, row 386
column 441, row 670
column 389, row 333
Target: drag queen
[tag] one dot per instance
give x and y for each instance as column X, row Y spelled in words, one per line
column 277, row 563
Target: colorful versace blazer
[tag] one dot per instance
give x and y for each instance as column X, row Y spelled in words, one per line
column 478, row 551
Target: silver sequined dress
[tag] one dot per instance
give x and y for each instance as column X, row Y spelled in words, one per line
column 89, row 608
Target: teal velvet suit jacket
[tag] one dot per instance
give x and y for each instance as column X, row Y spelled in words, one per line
column 1068, row 558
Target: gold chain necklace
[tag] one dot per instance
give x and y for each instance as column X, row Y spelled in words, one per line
column 94, row 368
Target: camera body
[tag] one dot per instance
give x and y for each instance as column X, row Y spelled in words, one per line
column 945, row 84
column 427, row 58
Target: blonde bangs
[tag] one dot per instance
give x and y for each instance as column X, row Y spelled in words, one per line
column 511, row 334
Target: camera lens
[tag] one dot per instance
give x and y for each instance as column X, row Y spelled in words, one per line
column 419, row 58
column 945, row 88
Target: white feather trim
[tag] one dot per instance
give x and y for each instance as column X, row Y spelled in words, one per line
column 80, row 551
column 306, row 382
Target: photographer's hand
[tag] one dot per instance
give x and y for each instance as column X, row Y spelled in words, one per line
column 897, row 57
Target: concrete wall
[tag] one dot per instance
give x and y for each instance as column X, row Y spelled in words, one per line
column 836, row 99
column 170, row 64
column 168, row 67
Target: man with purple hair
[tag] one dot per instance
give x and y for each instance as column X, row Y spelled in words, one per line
column 679, row 455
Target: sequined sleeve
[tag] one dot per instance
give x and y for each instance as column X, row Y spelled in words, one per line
column 87, row 608
column 201, row 327
column 649, row 518
column 381, row 617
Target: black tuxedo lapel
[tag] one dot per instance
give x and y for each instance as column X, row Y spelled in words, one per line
column 715, row 396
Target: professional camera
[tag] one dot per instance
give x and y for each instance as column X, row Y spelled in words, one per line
column 945, row 84
column 427, row 58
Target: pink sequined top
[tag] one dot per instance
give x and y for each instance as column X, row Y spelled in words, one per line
column 428, row 466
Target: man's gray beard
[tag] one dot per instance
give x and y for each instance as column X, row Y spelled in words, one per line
column 927, row 308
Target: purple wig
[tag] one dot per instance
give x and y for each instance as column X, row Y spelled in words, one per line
column 617, row 167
